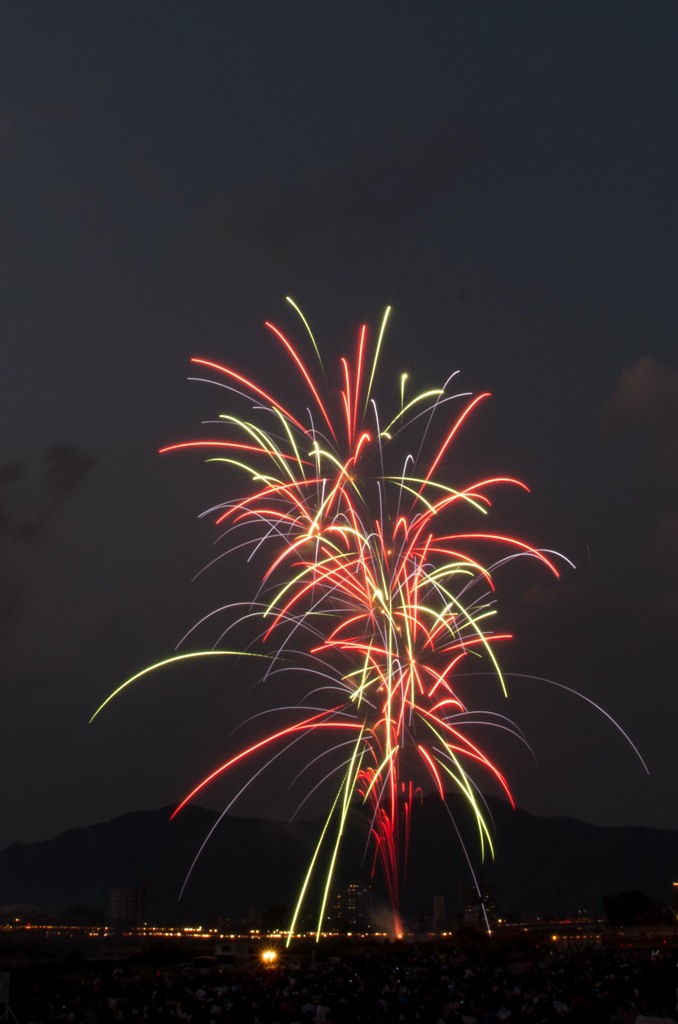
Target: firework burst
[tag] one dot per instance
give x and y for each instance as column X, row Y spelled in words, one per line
column 370, row 583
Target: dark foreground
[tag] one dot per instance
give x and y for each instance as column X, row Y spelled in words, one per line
column 428, row 983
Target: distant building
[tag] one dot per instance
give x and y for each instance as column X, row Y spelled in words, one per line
column 351, row 909
column 128, row 908
column 479, row 907
column 439, row 921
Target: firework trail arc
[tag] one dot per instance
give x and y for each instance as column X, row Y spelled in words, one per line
column 368, row 585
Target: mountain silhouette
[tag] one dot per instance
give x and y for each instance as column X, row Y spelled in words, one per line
column 542, row 865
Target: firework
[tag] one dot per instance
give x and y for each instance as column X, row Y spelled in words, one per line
column 369, row 582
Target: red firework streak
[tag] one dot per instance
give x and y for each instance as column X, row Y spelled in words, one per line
column 369, row 585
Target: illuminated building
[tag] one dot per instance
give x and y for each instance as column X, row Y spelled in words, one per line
column 479, row 907
column 352, row 909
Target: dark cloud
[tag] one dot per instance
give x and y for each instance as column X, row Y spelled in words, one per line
column 640, row 419
column 10, row 589
column 339, row 209
column 150, row 181
column 646, row 396
column 541, row 615
column 541, row 601
column 662, row 554
column 521, row 222
column 55, row 111
column 10, row 472
column 663, row 546
column 65, row 468
column 665, row 611
column 9, row 137
column 27, row 508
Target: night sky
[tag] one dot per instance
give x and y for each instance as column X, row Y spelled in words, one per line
column 504, row 175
